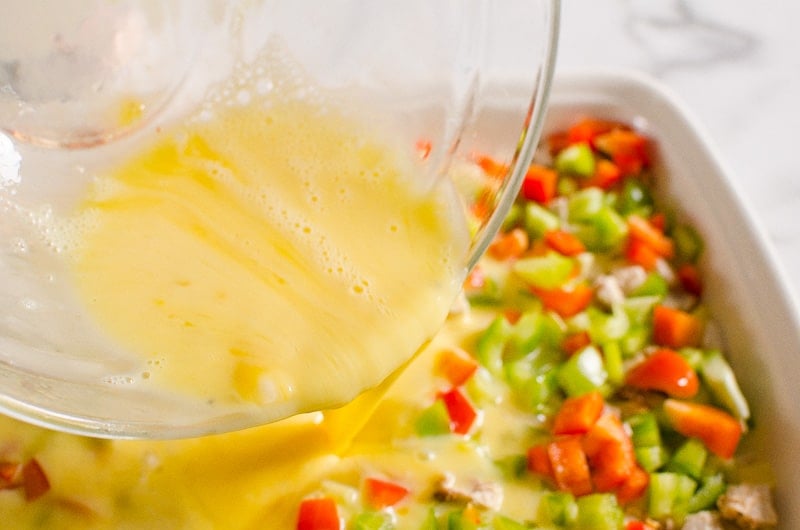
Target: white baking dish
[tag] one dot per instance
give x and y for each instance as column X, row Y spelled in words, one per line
column 747, row 293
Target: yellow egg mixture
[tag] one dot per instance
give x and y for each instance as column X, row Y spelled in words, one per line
column 270, row 254
column 255, row 479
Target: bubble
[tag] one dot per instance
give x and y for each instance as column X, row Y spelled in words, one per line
column 19, row 246
column 29, row 304
column 243, row 97
column 264, row 86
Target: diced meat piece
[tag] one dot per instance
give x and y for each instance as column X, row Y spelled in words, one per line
column 749, row 505
column 629, row 278
column 608, row 291
column 483, row 493
column 705, row 520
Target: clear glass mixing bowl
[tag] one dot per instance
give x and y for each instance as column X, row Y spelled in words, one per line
column 84, row 82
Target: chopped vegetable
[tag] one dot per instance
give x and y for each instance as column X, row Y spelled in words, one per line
column 718, row 430
column 382, row 493
column 674, row 328
column 578, row 414
column 509, row 245
column 564, row 242
column 569, row 465
column 539, row 184
column 461, row 412
column 566, row 301
column 318, row 514
column 666, row 371
column 456, row 365
column 577, row 159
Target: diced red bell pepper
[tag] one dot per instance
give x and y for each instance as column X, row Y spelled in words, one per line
column 610, row 452
column 462, row 413
column 674, row 328
column 490, row 166
column 509, row 245
column 456, row 365
column 318, row 513
column 666, row 371
column 10, row 474
column 575, row 342
column 606, row 175
column 587, row 129
column 570, row 466
column 641, row 229
column 638, row 253
column 578, row 414
column 34, row 480
column 612, row 465
column 690, row 279
column 423, row 147
column 563, row 242
column 607, row 429
column 638, row 525
column 382, row 493
column 626, row 148
column 718, row 430
column 539, row 184
column 539, row 461
column 634, row 487
column 567, row 302
column 557, row 141
column 483, row 205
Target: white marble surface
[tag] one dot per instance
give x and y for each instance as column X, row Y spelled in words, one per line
column 736, row 65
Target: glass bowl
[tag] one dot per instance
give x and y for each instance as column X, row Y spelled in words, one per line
column 85, row 90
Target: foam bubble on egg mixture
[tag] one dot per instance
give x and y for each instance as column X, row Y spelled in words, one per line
column 274, row 248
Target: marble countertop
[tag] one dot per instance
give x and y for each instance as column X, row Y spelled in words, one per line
column 736, row 68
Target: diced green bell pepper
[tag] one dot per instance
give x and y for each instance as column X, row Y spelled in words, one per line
column 434, row 420
column 585, row 204
column 644, row 430
column 718, row 375
column 583, row 372
column 513, row 218
column 669, row 495
column 577, row 159
column 652, row 457
column 557, row 508
column 688, row 244
column 689, row 458
column 612, row 355
column 372, row 521
column 546, row 272
column 457, row 520
column 501, row 522
column 635, row 198
column 513, row 466
column 538, row 392
column 640, row 308
column 634, row 340
column 706, row 496
column 491, row 344
column 538, row 220
column 524, row 335
column 605, row 327
column 599, row 511
column 430, row 522
column 653, row 285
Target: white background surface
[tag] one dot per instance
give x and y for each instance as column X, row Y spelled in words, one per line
column 736, row 66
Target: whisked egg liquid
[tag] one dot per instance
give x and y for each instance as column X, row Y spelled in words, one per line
column 272, row 251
